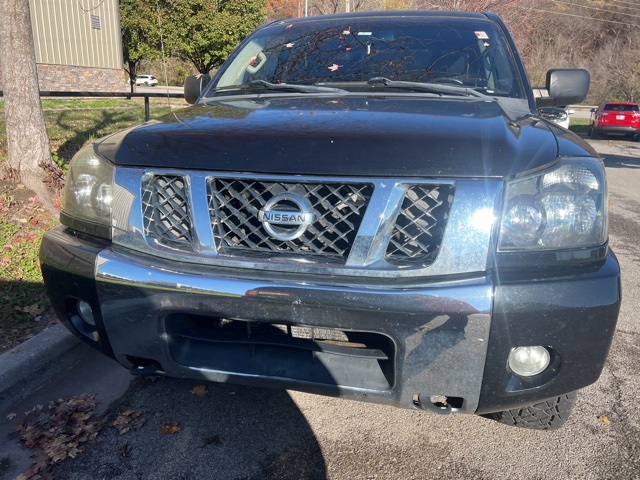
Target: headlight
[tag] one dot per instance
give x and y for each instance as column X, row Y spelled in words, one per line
column 87, row 193
column 560, row 208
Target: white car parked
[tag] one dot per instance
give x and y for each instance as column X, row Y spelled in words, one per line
column 560, row 116
column 146, row 80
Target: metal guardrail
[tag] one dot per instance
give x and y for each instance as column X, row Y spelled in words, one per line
column 127, row 95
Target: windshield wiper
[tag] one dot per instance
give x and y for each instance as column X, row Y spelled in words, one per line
column 428, row 87
column 287, row 87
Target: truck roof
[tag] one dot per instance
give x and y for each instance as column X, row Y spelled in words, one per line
column 387, row 14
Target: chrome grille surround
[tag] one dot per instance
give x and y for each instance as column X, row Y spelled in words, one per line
column 464, row 247
column 234, row 205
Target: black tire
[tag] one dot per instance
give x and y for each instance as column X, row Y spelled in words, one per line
column 593, row 133
column 548, row 415
column 146, row 84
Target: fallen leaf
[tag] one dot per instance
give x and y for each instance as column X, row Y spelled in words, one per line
column 11, row 416
column 169, row 428
column 200, row 390
column 127, row 420
column 334, row 67
column 125, row 417
column 34, row 309
column 290, row 45
column 604, row 420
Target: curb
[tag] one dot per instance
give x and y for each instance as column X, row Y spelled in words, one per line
column 35, row 362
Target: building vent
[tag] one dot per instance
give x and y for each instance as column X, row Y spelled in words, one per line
column 95, row 22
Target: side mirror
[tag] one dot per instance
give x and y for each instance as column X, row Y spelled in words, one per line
column 566, row 86
column 194, row 85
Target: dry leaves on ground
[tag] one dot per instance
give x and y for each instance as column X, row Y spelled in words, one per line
column 604, row 420
column 57, row 431
column 169, row 428
column 127, row 420
column 200, row 390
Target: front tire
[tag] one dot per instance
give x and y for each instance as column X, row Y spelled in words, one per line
column 548, row 415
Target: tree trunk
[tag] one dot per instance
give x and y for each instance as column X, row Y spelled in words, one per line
column 27, row 140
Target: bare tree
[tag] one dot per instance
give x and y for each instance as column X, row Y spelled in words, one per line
column 27, row 140
column 621, row 69
column 322, row 7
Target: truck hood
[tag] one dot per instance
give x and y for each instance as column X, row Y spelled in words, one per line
column 346, row 136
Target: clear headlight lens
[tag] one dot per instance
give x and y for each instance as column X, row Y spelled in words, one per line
column 89, row 186
column 561, row 208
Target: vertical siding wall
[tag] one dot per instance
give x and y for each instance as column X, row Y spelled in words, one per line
column 63, row 36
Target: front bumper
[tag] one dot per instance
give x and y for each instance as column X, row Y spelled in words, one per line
column 617, row 130
column 405, row 338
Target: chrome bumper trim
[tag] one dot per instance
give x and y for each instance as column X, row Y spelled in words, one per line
column 440, row 331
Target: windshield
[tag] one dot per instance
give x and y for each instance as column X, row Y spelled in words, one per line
column 347, row 52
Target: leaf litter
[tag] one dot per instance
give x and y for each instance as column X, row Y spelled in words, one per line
column 169, row 428
column 57, row 431
column 127, row 420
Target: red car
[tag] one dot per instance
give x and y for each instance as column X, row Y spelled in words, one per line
column 616, row 118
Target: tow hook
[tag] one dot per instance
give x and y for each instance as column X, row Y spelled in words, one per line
column 438, row 404
column 145, row 370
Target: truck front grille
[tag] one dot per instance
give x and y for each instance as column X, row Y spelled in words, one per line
column 419, row 227
column 234, row 205
column 166, row 212
column 404, row 228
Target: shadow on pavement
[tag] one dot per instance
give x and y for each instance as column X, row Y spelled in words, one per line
column 231, row 432
column 620, row 161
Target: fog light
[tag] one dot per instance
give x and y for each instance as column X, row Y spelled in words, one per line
column 84, row 309
column 529, row 361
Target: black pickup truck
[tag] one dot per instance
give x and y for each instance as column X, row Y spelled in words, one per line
column 364, row 205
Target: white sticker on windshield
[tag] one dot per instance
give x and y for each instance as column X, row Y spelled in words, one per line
column 482, row 35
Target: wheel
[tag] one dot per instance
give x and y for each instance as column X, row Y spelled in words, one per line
column 548, row 415
column 593, row 133
column 146, row 84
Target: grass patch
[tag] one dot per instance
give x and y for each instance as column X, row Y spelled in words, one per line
column 23, row 301
column 71, row 123
column 60, row 103
column 580, row 126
